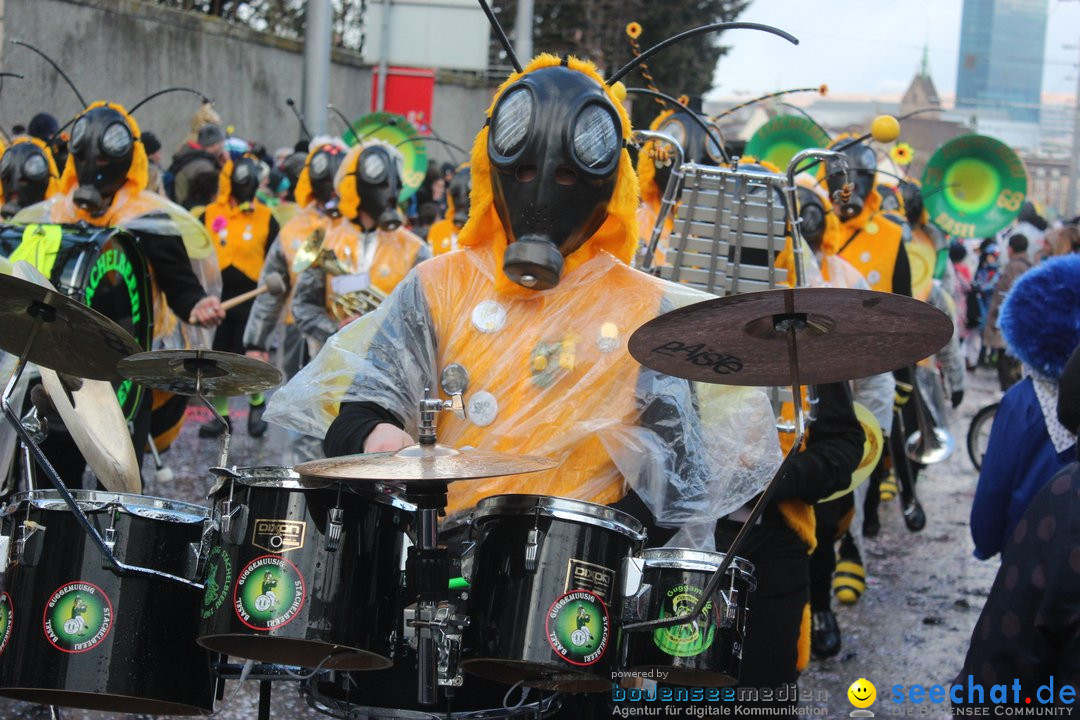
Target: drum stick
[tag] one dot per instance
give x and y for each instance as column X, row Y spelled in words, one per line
column 275, row 285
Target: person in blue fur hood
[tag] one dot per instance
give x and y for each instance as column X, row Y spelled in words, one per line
column 1040, row 321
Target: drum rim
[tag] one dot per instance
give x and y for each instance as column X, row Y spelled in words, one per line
column 514, row 504
column 688, row 559
column 282, row 477
column 146, row 506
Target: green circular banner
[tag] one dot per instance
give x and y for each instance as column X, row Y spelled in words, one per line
column 578, row 627
column 269, row 593
column 973, row 186
column 6, row 620
column 399, row 132
column 219, row 576
column 690, row 639
column 784, row 136
column 77, row 617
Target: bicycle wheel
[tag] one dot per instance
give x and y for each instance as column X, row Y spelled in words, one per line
column 978, row 435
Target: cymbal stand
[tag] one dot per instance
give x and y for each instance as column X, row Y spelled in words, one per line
column 790, row 324
column 198, row 368
column 667, row 203
column 43, row 313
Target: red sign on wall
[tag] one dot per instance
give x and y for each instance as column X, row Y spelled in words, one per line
column 408, row 92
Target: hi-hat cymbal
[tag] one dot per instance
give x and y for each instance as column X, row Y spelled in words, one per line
column 72, row 338
column 219, row 374
column 843, row 334
column 419, row 463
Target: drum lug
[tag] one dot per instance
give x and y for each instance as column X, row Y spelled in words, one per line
column 335, row 521
column 5, row 548
column 731, row 607
column 532, row 548
column 468, row 559
column 632, row 571
column 233, row 519
column 110, row 542
column 27, row 549
column 636, row 605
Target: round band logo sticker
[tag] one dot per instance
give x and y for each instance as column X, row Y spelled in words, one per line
column 269, row 593
column 219, row 577
column 578, row 627
column 692, row 638
column 5, row 621
column 77, row 617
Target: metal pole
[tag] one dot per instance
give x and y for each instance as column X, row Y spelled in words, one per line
column 384, row 56
column 317, row 64
column 523, row 31
column 1074, row 163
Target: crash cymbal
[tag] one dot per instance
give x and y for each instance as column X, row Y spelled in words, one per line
column 71, row 338
column 418, row 463
column 220, row 374
column 843, row 334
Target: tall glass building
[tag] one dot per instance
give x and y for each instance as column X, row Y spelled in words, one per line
column 1002, row 43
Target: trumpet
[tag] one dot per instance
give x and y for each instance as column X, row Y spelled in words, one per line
column 342, row 305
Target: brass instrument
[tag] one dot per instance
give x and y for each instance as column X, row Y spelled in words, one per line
column 313, row 253
column 931, row 442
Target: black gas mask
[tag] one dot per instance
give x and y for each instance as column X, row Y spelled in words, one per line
column 697, row 146
column 554, row 145
column 102, row 146
column 811, row 217
column 862, row 166
column 460, row 188
column 890, row 198
column 321, row 173
column 378, row 184
column 913, row 202
column 24, row 174
column 244, row 181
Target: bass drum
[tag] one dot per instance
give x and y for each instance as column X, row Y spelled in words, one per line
column 547, row 591
column 75, row 634
column 304, row 572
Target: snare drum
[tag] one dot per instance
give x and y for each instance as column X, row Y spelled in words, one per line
column 706, row 652
column 547, row 591
column 77, row 634
column 304, row 572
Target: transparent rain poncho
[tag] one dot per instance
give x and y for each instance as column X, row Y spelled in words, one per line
column 549, row 374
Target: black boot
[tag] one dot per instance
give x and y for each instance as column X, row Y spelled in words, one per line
column 256, row 426
column 214, row 428
column 824, row 634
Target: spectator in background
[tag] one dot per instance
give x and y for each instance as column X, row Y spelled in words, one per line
column 1062, row 241
column 196, row 166
column 44, row 127
column 1008, row 366
column 967, row 313
column 982, row 289
column 429, row 214
column 155, row 182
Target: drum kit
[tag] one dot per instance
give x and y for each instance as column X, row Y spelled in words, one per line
column 121, row 602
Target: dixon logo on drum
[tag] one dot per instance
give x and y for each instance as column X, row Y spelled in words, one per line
column 687, row 640
column 77, row 617
column 5, row 621
column 218, row 579
column 278, row 536
column 269, row 593
column 578, row 627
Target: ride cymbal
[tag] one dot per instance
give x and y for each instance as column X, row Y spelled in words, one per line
column 420, row 463
column 71, row 338
column 742, row 339
column 217, row 374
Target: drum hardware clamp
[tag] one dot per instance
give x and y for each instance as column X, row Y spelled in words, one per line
column 446, row 625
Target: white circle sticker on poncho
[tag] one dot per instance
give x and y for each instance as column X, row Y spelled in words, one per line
column 489, row 317
column 483, row 407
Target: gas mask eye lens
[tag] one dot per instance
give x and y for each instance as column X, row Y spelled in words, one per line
column 373, row 167
column 712, row 146
column 241, row 174
column 116, row 140
column 512, row 120
column 35, row 167
column 867, row 159
column 675, row 129
column 595, row 138
column 78, row 134
column 319, row 165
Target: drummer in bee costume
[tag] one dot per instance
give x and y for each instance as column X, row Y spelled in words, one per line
column 28, row 175
column 371, row 248
column 536, row 310
column 443, row 235
column 244, row 228
column 103, row 185
column 318, row 208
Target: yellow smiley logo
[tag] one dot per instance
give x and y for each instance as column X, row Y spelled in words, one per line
column 862, row 693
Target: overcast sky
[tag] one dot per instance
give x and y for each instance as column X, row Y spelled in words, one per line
column 871, row 47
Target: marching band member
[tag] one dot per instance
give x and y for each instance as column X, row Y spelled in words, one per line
column 443, row 235
column 28, row 175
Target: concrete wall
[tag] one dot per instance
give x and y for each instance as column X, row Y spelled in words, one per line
column 123, row 50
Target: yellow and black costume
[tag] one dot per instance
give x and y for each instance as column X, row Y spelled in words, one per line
column 28, row 175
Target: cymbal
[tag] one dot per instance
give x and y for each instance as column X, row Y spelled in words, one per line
column 223, row 374
column 72, row 338
column 843, row 334
column 418, row 463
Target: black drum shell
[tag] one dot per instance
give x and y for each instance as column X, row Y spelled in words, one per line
column 512, row 607
column 148, row 661
column 351, row 604
column 672, row 653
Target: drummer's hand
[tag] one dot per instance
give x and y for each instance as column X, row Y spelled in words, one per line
column 259, row 355
column 386, row 437
column 346, row 321
column 207, row 312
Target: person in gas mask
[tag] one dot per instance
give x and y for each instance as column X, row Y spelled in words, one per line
column 368, row 252
column 317, row 210
column 28, row 175
column 244, row 228
column 535, row 309
column 443, row 235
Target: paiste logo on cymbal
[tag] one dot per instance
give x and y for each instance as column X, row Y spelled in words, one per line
column 278, row 536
